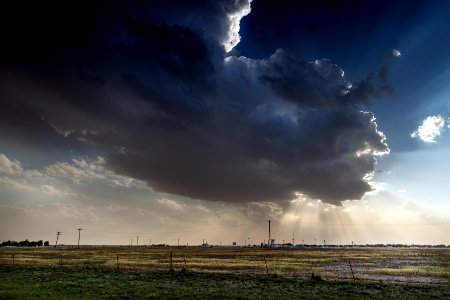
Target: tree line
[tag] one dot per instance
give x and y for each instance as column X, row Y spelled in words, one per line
column 25, row 243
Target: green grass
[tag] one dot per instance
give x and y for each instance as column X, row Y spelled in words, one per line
column 331, row 263
column 429, row 271
column 21, row 282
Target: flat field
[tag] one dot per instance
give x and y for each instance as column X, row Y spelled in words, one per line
column 146, row 272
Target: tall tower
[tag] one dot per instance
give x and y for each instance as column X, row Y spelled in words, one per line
column 79, row 233
column 57, row 237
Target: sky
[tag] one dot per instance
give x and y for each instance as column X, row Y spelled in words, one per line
column 178, row 122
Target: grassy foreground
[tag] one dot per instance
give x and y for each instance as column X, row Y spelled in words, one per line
column 24, row 282
column 394, row 265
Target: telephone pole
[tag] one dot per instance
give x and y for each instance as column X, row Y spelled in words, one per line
column 137, row 241
column 79, row 233
column 269, row 241
column 57, row 237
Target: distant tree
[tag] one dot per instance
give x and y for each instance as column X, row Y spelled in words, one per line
column 24, row 243
column 35, row 244
column 46, row 244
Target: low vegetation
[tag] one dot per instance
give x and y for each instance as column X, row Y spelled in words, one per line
column 91, row 283
column 193, row 272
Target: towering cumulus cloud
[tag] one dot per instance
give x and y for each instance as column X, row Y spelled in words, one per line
column 154, row 88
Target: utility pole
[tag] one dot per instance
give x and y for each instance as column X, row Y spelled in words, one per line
column 57, row 236
column 269, row 241
column 79, row 233
column 293, row 240
column 137, row 241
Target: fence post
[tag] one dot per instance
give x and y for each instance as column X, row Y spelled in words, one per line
column 117, row 258
column 267, row 270
column 171, row 269
column 351, row 269
column 12, row 256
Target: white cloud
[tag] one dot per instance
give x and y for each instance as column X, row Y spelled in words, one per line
column 431, row 128
column 170, row 203
column 51, row 190
column 233, row 38
column 81, row 169
column 396, row 53
column 17, row 184
column 54, row 180
column 77, row 171
column 10, row 167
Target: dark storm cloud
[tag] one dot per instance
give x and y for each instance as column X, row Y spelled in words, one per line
column 313, row 84
column 148, row 82
column 321, row 83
